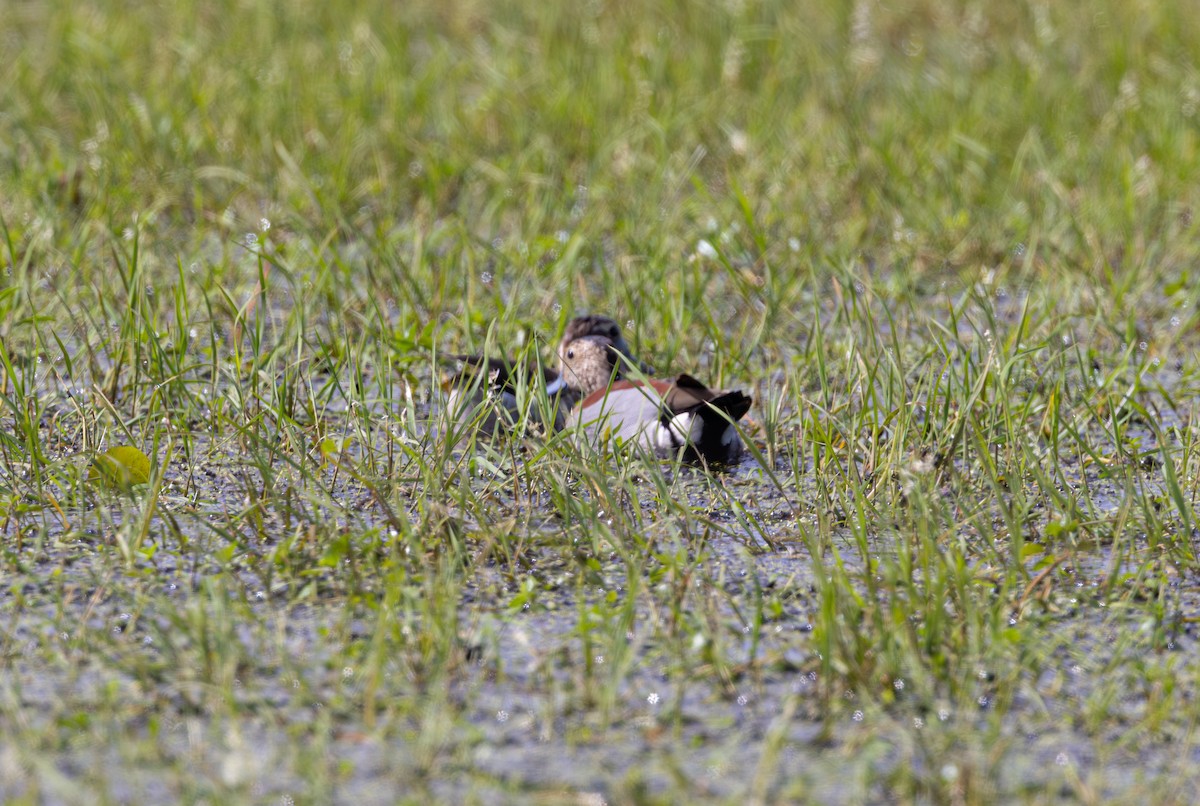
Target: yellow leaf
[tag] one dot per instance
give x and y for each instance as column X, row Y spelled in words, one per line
column 120, row 467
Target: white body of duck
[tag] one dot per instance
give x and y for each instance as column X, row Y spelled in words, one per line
column 669, row 418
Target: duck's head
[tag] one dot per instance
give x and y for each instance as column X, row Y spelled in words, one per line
column 594, row 325
column 589, row 363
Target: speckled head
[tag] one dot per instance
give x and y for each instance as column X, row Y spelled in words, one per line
column 589, row 363
column 594, row 325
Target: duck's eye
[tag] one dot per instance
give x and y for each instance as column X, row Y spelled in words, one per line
column 570, row 353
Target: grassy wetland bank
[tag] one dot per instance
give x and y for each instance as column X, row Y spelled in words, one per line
column 950, row 248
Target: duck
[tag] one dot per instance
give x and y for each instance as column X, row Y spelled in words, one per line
column 487, row 391
column 672, row 418
column 601, row 389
